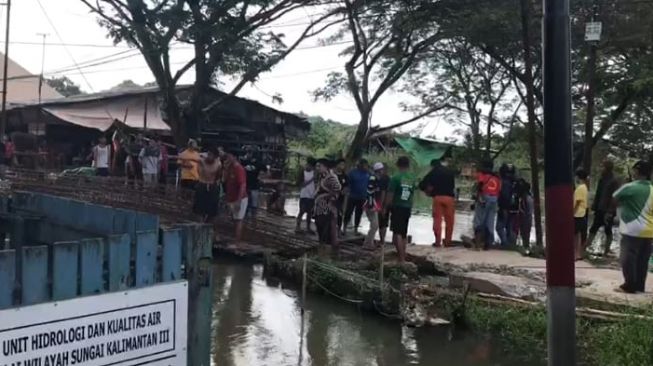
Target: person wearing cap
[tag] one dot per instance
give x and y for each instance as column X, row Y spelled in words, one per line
column 440, row 184
column 634, row 203
column 374, row 203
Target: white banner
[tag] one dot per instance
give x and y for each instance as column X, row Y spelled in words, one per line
column 144, row 326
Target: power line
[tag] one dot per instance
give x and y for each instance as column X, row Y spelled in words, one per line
column 56, row 31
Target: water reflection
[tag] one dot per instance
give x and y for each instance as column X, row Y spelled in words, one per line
column 257, row 322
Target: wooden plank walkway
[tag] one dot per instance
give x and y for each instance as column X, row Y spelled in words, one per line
column 266, row 232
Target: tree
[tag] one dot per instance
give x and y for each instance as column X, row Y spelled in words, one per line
column 465, row 81
column 229, row 38
column 126, row 84
column 64, row 86
column 389, row 37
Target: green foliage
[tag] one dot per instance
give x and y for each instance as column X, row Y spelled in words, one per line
column 625, row 343
column 64, row 86
column 523, row 331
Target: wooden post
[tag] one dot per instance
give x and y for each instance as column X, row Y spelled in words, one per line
column 304, row 283
column 197, row 249
column 381, row 265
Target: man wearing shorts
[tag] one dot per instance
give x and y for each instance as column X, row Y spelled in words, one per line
column 400, row 200
column 580, row 212
column 236, row 192
column 207, row 190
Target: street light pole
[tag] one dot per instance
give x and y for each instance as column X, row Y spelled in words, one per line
column 560, row 257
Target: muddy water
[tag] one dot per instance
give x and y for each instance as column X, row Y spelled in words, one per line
column 421, row 224
column 421, row 228
column 257, row 322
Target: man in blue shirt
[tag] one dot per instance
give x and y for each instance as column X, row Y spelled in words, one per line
column 358, row 181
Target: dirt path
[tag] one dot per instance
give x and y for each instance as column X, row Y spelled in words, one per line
column 516, row 275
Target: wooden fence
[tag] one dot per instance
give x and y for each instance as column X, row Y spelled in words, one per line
column 62, row 248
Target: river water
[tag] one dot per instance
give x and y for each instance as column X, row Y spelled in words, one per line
column 257, row 322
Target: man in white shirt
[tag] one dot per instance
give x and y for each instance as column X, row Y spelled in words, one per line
column 150, row 159
column 102, row 157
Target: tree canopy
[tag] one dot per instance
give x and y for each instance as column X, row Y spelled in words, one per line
column 64, row 86
column 230, row 39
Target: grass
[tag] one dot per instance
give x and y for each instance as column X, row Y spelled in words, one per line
column 523, row 331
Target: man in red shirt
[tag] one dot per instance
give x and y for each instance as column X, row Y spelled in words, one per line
column 488, row 186
column 236, row 191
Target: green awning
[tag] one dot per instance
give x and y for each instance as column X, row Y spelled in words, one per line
column 423, row 151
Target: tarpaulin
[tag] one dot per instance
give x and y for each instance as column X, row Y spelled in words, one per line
column 101, row 114
column 423, row 151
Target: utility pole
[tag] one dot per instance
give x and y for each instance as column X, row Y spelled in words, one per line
column 592, row 36
column 41, row 80
column 560, row 268
column 3, row 122
column 44, row 35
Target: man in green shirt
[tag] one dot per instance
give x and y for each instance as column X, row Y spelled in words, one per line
column 400, row 202
column 635, row 208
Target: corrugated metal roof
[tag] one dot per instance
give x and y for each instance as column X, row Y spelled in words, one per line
column 23, row 86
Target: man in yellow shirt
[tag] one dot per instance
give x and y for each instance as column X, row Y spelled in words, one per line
column 580, row 212
column 188, row 162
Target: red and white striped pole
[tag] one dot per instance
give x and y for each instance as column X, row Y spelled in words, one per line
column 559, row 185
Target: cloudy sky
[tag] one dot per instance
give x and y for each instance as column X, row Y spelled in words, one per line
column 71, row 23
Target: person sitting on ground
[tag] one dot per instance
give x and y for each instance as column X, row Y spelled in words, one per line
column 235, row 180
column 507, row 213
column 358, row 180
column 580, row 213
column 440, row 184
column 635, row 208
column 602, row 206
column 525, row 215
column 374, row 203
column 488, row 187
column 150, row 159
column 306, row 182
column 325, row 211
column 101, row 155
column 207, row 190
column 188, row 163
column 400, row 202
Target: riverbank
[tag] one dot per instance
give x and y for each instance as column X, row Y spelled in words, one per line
column 419, row 296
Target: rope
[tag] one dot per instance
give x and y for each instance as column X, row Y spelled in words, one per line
column 332, row 293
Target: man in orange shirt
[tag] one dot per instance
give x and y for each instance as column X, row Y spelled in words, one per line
column 188, row 162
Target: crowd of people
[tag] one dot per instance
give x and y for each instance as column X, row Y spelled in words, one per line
column 333, row 197
column 336, row 199
column 205, row 177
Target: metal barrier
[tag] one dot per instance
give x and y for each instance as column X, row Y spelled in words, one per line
column 61, row 248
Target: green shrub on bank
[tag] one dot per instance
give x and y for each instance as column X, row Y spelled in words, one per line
column 523, row 331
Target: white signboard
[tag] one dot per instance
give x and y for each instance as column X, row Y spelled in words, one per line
column 593, row 31
column 145, row 326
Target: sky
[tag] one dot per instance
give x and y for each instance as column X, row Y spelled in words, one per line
column 70, row 22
